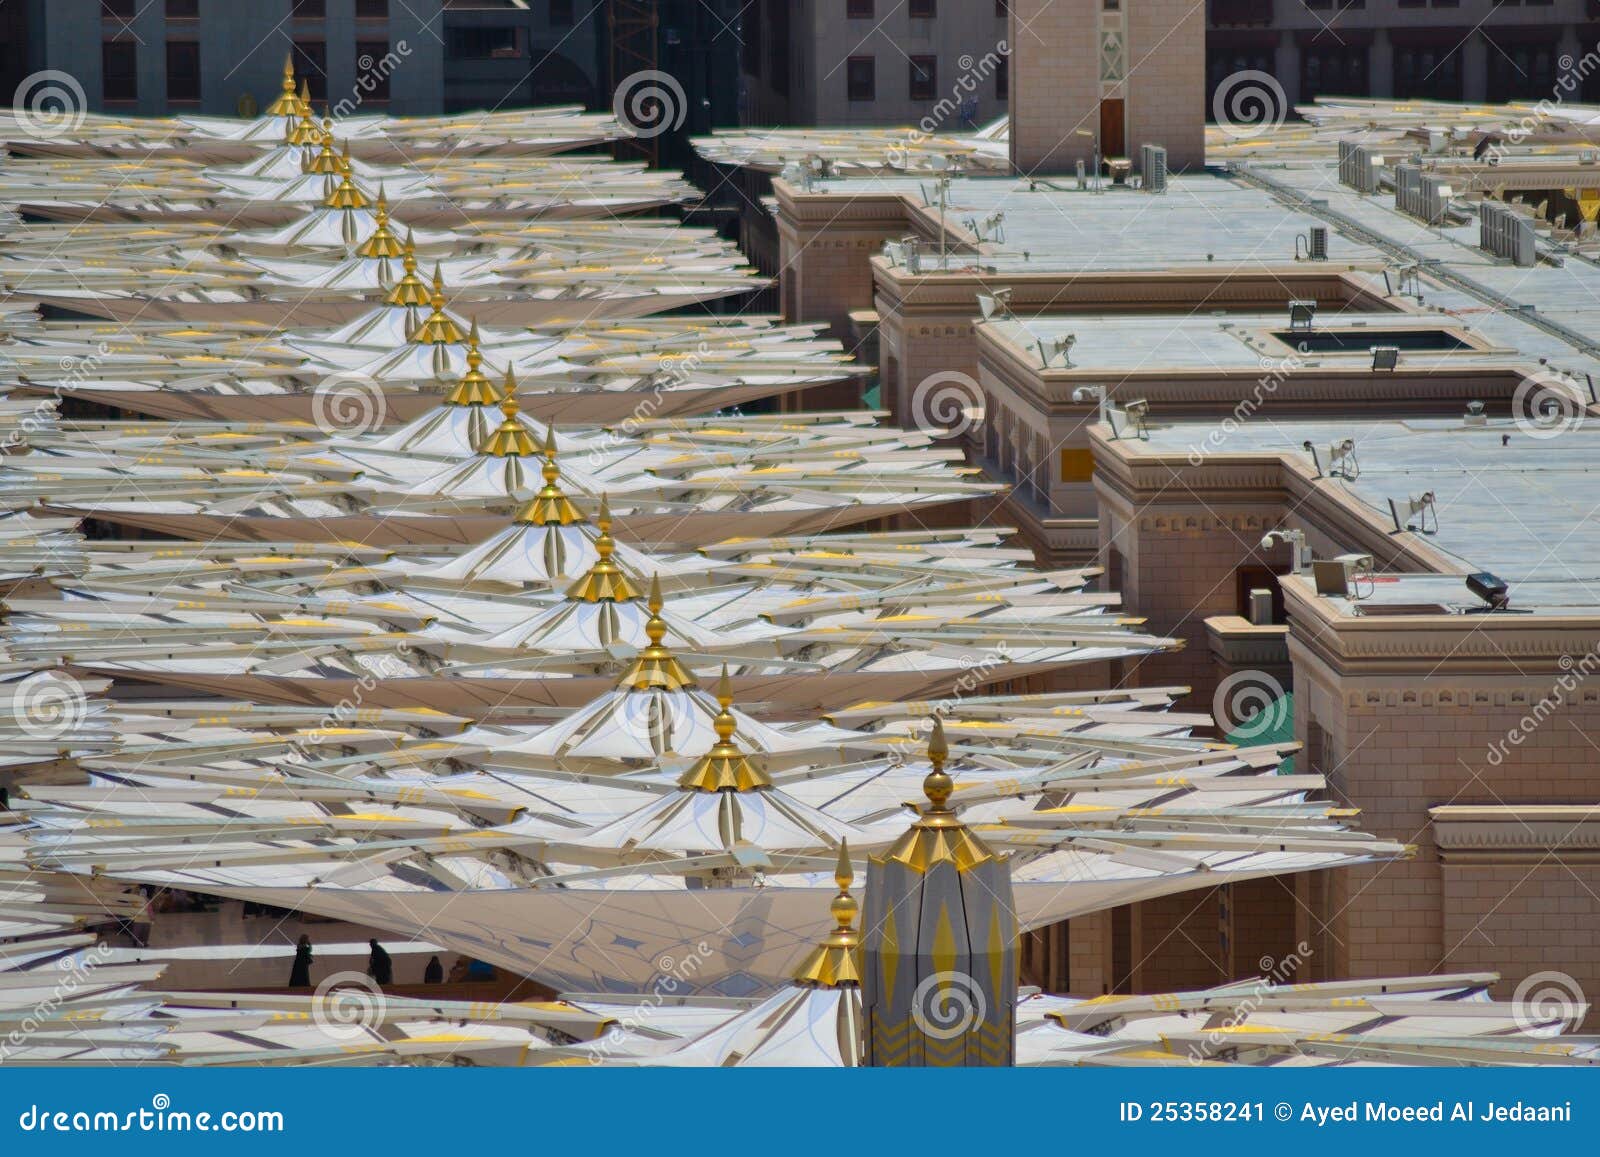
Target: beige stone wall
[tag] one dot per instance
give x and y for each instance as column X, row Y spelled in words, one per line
column 1056, row 90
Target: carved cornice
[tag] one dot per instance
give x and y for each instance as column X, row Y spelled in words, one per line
column 1237, row 642
column 1472, row 834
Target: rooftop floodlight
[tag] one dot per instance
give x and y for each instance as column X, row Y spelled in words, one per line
column 995, row 304
column 1128, row 416
column 1342, row 456
column 1299, row 549
column 1301, row 313
column 1385, row 357
column 1417, row 506
column 1492, row 589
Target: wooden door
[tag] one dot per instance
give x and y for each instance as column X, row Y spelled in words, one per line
column 1113, row 142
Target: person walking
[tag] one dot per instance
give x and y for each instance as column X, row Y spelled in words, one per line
column 379, row 966
column 300, row 974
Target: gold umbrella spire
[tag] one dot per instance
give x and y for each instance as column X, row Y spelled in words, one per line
column 938, row 836
column 606, row 581
column 656, row 667
column 550, row 506
column 474, row 388
column 345, row 195
column 410, row 290
column 437, row 328
column 288, row 103
column 724, row 767
column 305, row 130
column 511, row 439
column 836, row 961
column 383, row 243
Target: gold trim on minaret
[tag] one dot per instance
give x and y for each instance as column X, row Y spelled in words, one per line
column 938, row 836
column 511, row 439
column 474, row 388
column 656, row 666
column 724, row 767
column 606, row 582
column 836, row 961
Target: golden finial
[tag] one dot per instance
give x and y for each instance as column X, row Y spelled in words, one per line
column 345, row 195
column 305, row 130
column 511, row 439
column 938, row 836
column 438, row 328
column 410, row 290
column 656, row 667
column 724, row 767
column 474, row 388
column 836, row 961
column 288, row 103
column 606, row 581
column 383, row 243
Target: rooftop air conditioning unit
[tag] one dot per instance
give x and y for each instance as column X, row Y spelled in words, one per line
column 1153, row 167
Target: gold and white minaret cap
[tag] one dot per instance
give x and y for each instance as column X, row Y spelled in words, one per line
column 939, row 941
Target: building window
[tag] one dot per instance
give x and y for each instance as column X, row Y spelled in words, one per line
column 1002, row 7
column 311, row 66
column 1429, row 72
column 183, row 72
column 561, row 12
column 119, row 70
column 778, row 46
column 373, row 65
column 1520, row 71
column 924, row 72
column 861, row 78
column 858, row 9
column 1336, row 70
column 372, row 9
column 1002, row 78
column 183, row 9
column 118, row 9
column 750, row 39
column 923, row 9
column 310, row 9
column 483, row 43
